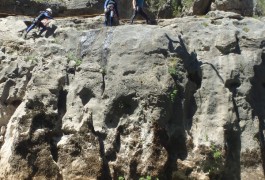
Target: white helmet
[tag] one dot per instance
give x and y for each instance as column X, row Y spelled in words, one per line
column 49, row 10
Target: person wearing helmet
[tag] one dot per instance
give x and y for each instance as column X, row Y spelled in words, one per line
column 107, row 10
column 138, row 8
column 40, row 21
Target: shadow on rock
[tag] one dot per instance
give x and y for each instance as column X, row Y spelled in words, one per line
column 50, row 31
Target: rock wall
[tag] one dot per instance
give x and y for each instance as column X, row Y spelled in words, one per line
column 243, row 7
column 180, row 100
column 154, row 8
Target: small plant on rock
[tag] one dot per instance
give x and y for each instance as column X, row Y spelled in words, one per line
column 31, row 59
column 72, row 57
column 121, row 178
column 78, row 62
column 215, row 160
column 217, row 154
column 205, row 24
column 173, row 95
column 172, row 71
column 103, row 71
column 172, row 63
column 246, row 29
column 148, row 178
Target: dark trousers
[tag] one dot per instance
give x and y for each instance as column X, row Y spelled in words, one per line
column 107, row 15
column 43, row 28
column 39, row 24
column 141, row 12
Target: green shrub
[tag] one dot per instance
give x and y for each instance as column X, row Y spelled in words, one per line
column 72, row 57
column 172, row 71
column 246, row 29
column 172, row 63
column 177, row 6
column 121, row 178
column 31, row 59
column 173, row 94
column 147, row 178
column 260, row 11
column 216, row 153
column 205, row 24
column 180, row 5
column 78, row 62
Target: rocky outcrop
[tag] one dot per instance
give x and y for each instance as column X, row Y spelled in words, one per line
column 154, row 8
column 62, row 7
column 245, row 8
column 201, row 7
column 180, row 100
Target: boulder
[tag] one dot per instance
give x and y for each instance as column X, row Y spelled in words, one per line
column 245, row 8
column 201, row 7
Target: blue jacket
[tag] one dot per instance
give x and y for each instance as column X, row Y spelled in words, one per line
column 43, row 15
column 140, row 3
column 109, row 2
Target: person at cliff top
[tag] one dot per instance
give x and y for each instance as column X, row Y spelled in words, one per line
column 107, row 10
column 138, row 8
column 41, row 21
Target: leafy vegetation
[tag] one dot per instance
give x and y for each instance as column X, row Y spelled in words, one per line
column 173, row 95
column 216, row 152
column 177, row 6
column 214, row 162
column 72, row 57
column 246, row 29
column 172, row 71
column 121, row 178
column 172, row 63
column 148, row 178
column 260, row 11
column 31, row 58
column 205, row 24
column 180, row 5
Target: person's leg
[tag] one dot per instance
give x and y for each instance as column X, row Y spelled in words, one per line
column 117, row 12
column 107, row 14
column 106, row 19
column 143, row 14
column 44, row 28
column 135, row 11
column 30, row 27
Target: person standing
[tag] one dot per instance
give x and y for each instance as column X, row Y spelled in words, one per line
column 107, row 5
column 138, row 8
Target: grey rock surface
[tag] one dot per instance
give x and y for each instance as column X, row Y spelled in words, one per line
column 242, row 7
column 94, row 102
column 154, row 8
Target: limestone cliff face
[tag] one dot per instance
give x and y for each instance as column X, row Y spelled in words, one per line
column 182, row 99
column 155, row 8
